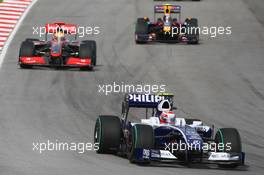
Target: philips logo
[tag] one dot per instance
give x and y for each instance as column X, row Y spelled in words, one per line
column 145, row 98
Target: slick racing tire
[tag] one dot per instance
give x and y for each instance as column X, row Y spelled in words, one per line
column 86, row 51
column 229, row 135
column 192, row 34
column 107, row 134
column 92, row 44
column 27, row 49
column 141, row 28
column 142, row 137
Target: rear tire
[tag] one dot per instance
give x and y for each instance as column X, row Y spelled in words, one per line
column 142, row 137
column 193, row 36
column 27, row 49
column 107, row 134
column 229, row 135
column 141, row 29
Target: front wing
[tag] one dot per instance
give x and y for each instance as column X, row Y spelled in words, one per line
column 152, row 38
column 44, row 62
column 211, row 157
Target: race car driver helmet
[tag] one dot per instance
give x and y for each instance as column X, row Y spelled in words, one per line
column 59, row 35
column 165, row 114
column 167, row 118
column 167, row 18
column 164, row 106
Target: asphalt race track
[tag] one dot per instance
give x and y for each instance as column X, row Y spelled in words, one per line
column 221, row 81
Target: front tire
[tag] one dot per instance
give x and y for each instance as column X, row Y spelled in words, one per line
column 141, row 29
column 142, row 137
column 91, row 45
column 229, row 135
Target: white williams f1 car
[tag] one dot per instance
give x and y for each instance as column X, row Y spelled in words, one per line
column 161, row 136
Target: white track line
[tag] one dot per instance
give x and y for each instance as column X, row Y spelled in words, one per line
column 7, row 43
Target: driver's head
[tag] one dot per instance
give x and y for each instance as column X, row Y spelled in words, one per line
column 59, row 34
column 167, row 118
column 166, row 115
column 167, row 18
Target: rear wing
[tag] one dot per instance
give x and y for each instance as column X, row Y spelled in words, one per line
column 146, row 100
column 66, row 28
column 167, row 9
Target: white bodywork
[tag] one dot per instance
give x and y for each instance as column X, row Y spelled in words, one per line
column 154, row 121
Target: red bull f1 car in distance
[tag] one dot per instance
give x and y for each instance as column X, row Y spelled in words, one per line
column 59, row 49
column 163, row 137
column 167, row 27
